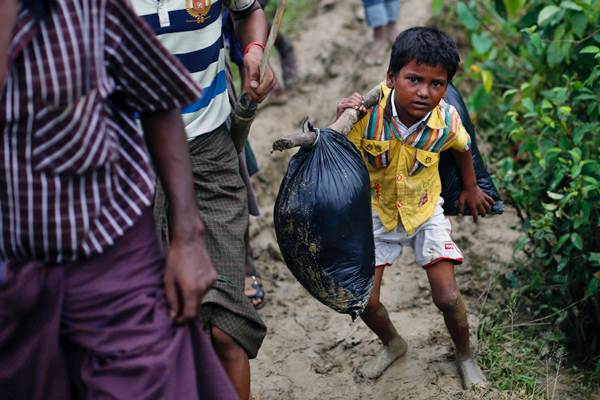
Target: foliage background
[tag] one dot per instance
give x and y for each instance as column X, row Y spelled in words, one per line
column 533, row 69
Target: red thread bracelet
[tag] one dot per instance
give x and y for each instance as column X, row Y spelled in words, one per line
column 247, row 48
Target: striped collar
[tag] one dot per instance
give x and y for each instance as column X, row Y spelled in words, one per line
column 431, row 136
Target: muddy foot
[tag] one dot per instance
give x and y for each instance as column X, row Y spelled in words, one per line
column 471, row 375
column 388, row 354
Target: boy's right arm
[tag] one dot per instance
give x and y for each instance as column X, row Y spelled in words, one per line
column 356, row 101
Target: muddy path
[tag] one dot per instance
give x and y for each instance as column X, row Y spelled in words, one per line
column 310, row 351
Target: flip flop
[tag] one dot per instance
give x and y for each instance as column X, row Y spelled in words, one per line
column 259, row 293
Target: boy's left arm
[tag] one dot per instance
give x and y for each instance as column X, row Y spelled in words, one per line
column 471, row 195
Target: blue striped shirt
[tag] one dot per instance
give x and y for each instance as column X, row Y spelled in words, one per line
column 192, row 31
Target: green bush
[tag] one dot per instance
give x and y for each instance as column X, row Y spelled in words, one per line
column 535, row 69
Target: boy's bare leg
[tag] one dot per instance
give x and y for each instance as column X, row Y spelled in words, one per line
column 234, row 360
column 446, row 297
column 376, row 54
column 378, row 320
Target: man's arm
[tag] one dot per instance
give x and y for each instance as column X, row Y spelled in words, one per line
column 471, row 195
column 188, row 272
column 8, row 13
column 251, row 26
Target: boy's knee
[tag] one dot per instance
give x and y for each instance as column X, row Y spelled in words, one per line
column 225, row 345
column 447, row 301
column 372, row 306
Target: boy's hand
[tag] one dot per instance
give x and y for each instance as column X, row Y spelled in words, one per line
column 257, row 89
column 478, row 202
column 356, row 101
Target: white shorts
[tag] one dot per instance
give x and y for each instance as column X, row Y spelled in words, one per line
column 431, row 242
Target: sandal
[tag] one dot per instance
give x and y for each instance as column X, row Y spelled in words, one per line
column 258, row 296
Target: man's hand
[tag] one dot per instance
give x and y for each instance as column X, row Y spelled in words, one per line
column 189, row 274
column 478, row 202
column 188, row 270
column 253, row 86
column 356, row 101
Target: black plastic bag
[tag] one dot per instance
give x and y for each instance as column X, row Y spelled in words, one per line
column 449, row 172
column 323, row 223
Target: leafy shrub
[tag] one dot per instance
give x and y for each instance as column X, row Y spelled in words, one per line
column 535, row 68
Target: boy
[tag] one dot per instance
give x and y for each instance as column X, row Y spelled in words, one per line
column 401, row 139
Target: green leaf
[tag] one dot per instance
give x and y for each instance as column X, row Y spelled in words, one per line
column 569, row 5
column 578, row 135
column 481, row 42
column 592, row 287
column 513, row 7
column 479, row 100
column 562, row 240
column 590, row 50
column 580, row 22
column 555, row 55
column 555, row 196
column 465, row 16
column 528, row 104
column 436, row 7
column 488, row 80
column 577, row 240
column 547, row 14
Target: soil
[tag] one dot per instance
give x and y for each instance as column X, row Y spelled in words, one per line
column 311, row 352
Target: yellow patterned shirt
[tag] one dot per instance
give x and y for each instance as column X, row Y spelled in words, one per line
column 405, row 182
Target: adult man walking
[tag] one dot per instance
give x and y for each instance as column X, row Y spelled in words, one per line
column 83, row 305
column 192, row 31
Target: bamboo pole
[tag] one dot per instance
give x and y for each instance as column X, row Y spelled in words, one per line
column 244, row 110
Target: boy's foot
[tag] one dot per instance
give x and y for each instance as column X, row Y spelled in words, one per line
column 386, row 357
column 376, row 55
column 471, row 374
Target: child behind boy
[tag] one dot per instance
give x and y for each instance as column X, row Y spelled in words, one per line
column 401, row 139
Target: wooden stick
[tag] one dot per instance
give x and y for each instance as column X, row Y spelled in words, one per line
column 244, row 111
column 343, row 125
column 271, row 39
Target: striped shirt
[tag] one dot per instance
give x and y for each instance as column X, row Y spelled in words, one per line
column 74, row 169
column 192, row 31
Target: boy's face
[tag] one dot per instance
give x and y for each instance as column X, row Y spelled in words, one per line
column 418, row 89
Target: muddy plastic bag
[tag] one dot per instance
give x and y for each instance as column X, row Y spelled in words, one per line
column 323, row 223
column 449, row 172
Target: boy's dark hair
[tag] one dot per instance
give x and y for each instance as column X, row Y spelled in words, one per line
column 428, row 46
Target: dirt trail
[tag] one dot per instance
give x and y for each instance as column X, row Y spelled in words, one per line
column 312, row 352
